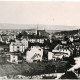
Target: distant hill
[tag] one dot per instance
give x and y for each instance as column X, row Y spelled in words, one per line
column 40, row 27
column 53, row 31
column 71, row 32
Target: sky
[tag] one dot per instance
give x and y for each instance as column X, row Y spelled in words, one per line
column 42, row 13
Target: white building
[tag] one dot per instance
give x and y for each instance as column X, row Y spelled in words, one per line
column 50, row 55
column 7, row 38
column 62, row 49
column 65, row 52
column 14, row 58
column 25, row 42
column 71, row 39
column 38, row 40
column 19, row 45
column 60, row 53
column 34, row 54
column 58, row 56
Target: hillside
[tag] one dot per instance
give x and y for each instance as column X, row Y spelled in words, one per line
column 40, row 27
column 70, row 32
column 27, row 69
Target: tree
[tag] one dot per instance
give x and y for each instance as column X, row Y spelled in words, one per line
column 66, row 38
column 50, row 68
column 24, row 33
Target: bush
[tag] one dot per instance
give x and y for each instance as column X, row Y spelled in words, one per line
column 49, row 68
column 70, row 60
column 69, row 75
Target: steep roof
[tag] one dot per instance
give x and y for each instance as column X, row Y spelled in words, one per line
column 36, row 55
column 69, row 75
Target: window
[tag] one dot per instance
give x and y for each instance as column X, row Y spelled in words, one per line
column 13, row 60
column 13, row 56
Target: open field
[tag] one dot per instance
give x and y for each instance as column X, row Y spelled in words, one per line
column 27, row 69
column 23, row 69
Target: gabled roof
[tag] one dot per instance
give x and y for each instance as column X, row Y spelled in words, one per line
column 36, row 55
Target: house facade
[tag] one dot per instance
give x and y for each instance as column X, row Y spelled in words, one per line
column 50, row 55
column 6, row 38
column 65, row 52
column 14, row 58
column 18, row 45
column 36, row 40
column 61, row 51
column 35, row 53
column 39, row 37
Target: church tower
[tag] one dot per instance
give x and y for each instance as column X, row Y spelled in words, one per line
column 37, row 31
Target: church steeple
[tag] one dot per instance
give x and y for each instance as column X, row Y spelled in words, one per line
column 37, row 30
column 37, row 27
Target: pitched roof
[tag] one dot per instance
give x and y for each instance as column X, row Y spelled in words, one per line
column 36, row 55
column 69, row 75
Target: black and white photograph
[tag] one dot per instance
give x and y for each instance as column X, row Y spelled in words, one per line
column 39, row 40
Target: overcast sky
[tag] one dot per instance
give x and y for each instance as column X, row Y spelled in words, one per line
column 47, row 13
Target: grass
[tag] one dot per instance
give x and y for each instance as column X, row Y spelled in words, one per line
column 26, row 69
column 13, row 69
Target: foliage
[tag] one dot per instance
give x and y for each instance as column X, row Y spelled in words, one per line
column 69, row 75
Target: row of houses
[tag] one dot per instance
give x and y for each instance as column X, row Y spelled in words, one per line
column 23, row 43
column 17, row 48
column 33, row 39
column 39, row 36
column 36, row 53
column 4, row 38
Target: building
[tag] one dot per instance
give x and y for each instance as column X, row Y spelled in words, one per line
column 39, row 37
column 14, row 58
column 50, row 55
column 58, row 56
column 61, row 51
column 18, row 45
column 12, row 36
column 71, row 39
column 36, row 39
column 6, row 38
column 35, row 53
column 65, row 52
column 59, row 36
column 3, row 38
